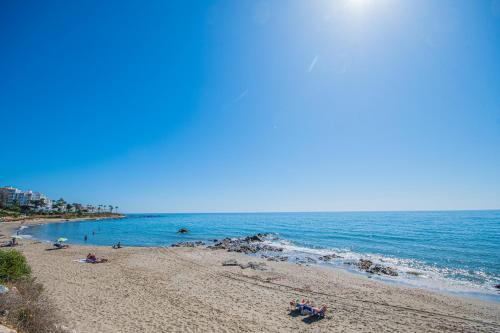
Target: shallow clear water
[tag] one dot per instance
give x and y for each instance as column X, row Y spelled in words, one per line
column 455, row 251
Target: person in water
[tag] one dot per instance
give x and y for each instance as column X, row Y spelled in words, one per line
column 85, row 238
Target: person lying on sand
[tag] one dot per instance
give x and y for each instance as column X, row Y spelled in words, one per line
column 307, row 307
column 92, row 259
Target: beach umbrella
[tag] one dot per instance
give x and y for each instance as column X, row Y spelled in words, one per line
column 61, row 239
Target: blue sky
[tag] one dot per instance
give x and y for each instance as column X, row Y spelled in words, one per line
column 170, row 106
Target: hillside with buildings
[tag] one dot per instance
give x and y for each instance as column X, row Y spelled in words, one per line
column 17, row 203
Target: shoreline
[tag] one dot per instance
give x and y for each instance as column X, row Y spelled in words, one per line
column 155, row 289
column 438, row 287
column 8, row 226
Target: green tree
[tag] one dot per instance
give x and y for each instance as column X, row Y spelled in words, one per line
column 60, row 204
column 78, row 207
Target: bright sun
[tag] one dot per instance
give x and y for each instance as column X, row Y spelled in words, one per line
column 359, row 3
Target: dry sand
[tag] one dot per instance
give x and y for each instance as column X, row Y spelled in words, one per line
column 188, row 290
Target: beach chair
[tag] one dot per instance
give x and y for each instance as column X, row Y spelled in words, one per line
column 60, row 246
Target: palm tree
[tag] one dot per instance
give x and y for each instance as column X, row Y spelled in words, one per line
column 116, row 209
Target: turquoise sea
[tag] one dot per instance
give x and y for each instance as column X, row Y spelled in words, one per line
column 451, row 251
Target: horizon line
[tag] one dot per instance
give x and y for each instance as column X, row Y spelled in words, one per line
column 322, row 211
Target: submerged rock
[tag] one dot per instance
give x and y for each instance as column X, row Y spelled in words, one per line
column 305, row 261
column 311, row 260
column 182, row 231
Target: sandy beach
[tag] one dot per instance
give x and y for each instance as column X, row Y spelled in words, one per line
column 188, row 290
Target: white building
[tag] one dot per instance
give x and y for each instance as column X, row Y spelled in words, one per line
column 37, row 196
column 10, row 195
column 24, row 198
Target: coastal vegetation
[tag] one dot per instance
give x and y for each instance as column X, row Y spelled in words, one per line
column 25, row 305
column 13, row 266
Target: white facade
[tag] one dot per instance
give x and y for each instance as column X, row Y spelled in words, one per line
column 10, row 195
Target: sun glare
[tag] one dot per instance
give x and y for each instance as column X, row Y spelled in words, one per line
column 358, row 3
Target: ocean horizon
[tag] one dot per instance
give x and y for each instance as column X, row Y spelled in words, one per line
column 450, row 251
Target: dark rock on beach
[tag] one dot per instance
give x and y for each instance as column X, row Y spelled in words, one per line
column 230, row 262
column 188, row 244
column 369, row 267
column 261, row 266
column 274, row 258
column 497, row 286
column 252, row 265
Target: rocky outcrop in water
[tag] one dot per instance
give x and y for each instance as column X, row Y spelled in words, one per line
column 369, row 267
column 247, row 245
column 188, row 244
column 182, row 231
